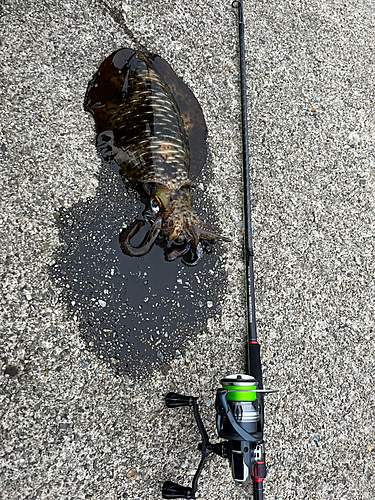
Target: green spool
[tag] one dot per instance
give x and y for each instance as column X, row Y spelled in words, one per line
column 237, row 393
column 238, row 387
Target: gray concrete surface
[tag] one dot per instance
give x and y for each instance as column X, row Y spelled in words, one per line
column 71, row 428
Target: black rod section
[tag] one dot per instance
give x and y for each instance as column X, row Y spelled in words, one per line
column 253, row 366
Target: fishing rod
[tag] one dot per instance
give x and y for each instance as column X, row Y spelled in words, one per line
column 239, row 402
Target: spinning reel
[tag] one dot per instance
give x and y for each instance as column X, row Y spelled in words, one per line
column 239, row 420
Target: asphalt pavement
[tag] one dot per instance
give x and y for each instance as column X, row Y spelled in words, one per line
column 74, row 427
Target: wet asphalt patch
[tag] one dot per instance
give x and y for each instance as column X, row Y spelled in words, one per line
column 135, row 312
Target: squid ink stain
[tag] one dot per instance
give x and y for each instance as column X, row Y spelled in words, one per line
column 137, row 312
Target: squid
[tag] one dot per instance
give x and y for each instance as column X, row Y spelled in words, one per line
column 151, row 125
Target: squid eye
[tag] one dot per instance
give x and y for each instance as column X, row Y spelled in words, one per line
column 180, row 239
column 149, row 187
column 154, row 206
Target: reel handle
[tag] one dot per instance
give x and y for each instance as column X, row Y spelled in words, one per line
column 174, row 490
column 174, row 400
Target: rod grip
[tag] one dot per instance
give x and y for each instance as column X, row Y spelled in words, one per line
column 255, row 363
column 258, row 490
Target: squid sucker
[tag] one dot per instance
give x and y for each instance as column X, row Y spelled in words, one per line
column 152, row 126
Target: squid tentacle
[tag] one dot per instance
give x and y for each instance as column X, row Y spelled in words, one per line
column 147, row 242
column 198, row 255
column 206, row 232
column 174, row 253
column 192, row 234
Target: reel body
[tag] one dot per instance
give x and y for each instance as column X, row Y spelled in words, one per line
column 242, row 421
column 239, row 420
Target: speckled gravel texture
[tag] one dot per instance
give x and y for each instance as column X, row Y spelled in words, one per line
column 70, row 427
